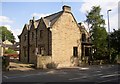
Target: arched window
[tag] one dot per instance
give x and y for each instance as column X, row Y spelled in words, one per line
column 84, row 37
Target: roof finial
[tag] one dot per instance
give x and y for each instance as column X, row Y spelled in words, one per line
column 33, row 18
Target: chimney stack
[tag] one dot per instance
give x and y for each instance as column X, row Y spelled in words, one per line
column 30, row 21
column 66, row 8
column 33, row 18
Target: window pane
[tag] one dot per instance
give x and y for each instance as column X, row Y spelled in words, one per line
column 41, row 33
column 75, row 51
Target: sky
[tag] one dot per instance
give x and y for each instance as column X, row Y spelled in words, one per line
column 14, row 15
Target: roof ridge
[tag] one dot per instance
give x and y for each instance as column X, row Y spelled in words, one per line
column 52, row 18
column 55, row 17
column 52, row 14
column 49, row 16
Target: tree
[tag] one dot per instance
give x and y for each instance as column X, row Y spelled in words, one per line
column 97, row 31
column 6, row 34
column 115, row 43
column 115, row 40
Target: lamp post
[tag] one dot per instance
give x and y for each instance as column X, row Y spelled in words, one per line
column 109, row 34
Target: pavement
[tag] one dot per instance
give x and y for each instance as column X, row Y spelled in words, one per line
column 16, row 66
column 97, row 74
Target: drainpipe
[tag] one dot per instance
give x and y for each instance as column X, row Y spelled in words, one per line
column 36, row 38
column 48, row 36
column 28, row 47
column 36, row 51
column 48, row 39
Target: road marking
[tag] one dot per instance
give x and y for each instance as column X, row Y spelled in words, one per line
column 116, row 72
column 74, row 78
column 98, row 71
column 9, row 77
column 99, row 75
column 110, row 75
column 85, row 77
column 5, row 77
column 51, row 72
column 40, row 73
column 83, row 68
column 78, row 78
column 109, row 80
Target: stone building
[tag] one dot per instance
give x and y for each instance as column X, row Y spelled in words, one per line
column 57, row 36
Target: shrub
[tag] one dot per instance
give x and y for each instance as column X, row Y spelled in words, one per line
column 5, row 63
column 52, row 65
column 10, row 51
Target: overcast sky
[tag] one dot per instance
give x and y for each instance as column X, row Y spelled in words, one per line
column 15, row 14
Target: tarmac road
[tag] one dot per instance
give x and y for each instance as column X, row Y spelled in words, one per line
column 97, row 74
column 0, row 69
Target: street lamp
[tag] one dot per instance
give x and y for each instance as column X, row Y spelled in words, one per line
column 108, row 20
column 109, row 33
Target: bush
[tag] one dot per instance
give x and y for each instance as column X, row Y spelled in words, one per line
column 114, row 56
column 52, row 65
column 10, row 51
column 5, row 63
column 119, row 56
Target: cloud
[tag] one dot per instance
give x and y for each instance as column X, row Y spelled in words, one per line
column 86, row 6
column 105, row 5
column 39, row 15
column 4, row 19
column 16, row 32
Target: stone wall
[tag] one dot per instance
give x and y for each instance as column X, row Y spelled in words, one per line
column 24, row 45
column 42, row 61
column 58, row 41
column 45, row 40
column 65, row 36
column 32, row 43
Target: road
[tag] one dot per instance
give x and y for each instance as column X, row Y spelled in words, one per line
column 97, row 74
column 0, row 69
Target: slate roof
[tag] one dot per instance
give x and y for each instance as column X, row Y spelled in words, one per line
column 36, row 23
column 51, row 19
column 48, row 20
